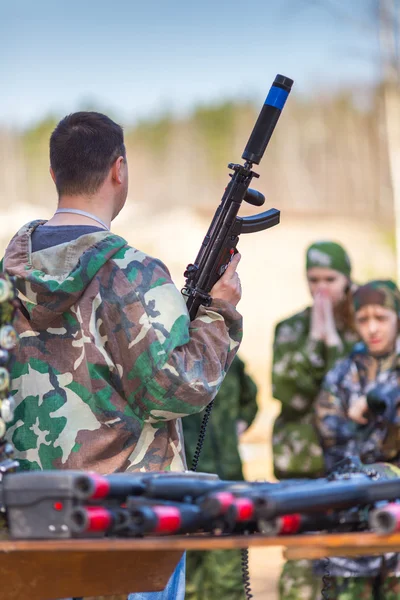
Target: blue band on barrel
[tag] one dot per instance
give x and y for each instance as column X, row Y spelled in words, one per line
column 276, row 97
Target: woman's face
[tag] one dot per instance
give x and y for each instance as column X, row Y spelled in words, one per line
column 377, row 327
column 327, row 282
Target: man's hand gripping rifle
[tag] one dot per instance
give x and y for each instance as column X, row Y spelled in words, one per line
column 219, row 244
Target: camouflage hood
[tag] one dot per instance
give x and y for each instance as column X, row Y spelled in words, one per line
column 52, row 280
column 382, row 292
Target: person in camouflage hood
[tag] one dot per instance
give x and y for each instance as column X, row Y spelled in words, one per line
column 358, row 413
column 217, row 575
column 108, row 360
column 306, row 346
column 358, row 408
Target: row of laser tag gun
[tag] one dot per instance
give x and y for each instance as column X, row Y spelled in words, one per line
column 65, row 504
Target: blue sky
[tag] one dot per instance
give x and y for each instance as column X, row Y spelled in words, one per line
column 142, row 58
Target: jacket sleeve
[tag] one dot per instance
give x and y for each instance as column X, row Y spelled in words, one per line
column 298, row 370
column 169, row 367
column 248, row 406
column 335, row 429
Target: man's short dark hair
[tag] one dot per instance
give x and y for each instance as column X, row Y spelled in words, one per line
column 83, row 147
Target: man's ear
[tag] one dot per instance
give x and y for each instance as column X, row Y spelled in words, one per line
column 117, row 169
column 52, row 174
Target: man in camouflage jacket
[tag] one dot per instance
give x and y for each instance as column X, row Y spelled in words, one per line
column 108, row 360
column 217, row 575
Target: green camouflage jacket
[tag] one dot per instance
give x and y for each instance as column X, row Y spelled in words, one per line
column 108, row 361
column 299, row 366
column 236, row 400
column 355, row 376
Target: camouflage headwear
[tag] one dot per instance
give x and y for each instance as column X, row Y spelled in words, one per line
column 329, row 255
column 382, row 292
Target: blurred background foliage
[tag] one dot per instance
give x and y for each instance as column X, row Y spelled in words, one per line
column 329, row 157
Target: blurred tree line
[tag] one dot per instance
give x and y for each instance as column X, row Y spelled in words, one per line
column 328, row 156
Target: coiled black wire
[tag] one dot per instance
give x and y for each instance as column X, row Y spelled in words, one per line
column 326, row 580
column 196, row 456
column 245, row 573
column 202, row 435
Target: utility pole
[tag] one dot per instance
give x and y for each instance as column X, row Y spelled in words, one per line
column 389, row 43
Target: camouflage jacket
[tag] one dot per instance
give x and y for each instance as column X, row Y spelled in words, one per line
column 108, row 361
column 299, row 366
column 355, row 376
column 236, row 400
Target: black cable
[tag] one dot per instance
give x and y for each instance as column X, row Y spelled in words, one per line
column 377, row 588
column 326, row 580
column 196, row 456
column 377, row 591
column 202, row 435
column 245, row 573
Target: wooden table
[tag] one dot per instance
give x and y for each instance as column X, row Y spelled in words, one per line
column 47, row 570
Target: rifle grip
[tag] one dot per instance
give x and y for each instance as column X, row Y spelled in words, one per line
column 228, row 252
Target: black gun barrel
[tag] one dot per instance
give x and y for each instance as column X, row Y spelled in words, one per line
column 297, row 523
column 160, row 519
column 168, row 486
column 346, row 520
column 386, row 519
column 267, row 120
column 178, row 489
column 220, row 242
column 98, row 487
column 193, row 517
column 216, row 503
column 28, row 488
column 97, row 519
column 327, row 495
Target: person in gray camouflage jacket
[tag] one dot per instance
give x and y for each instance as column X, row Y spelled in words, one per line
column 358, row 408
column 306, row 346
column 358, row 413
column 108, row 360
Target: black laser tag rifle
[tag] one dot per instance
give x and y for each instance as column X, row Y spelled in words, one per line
column 221, row 239
column 219, row 244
